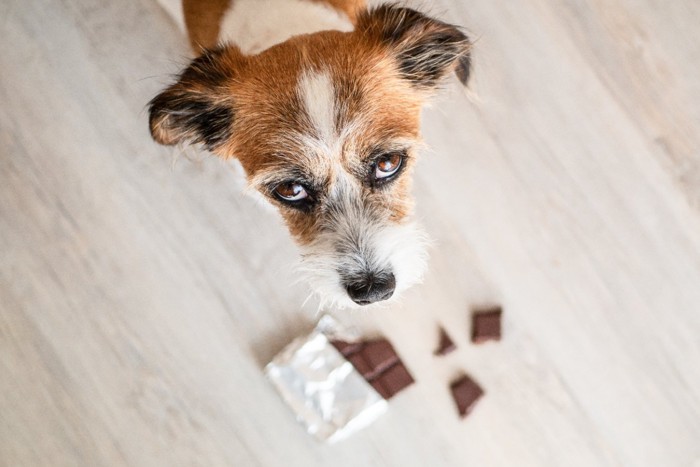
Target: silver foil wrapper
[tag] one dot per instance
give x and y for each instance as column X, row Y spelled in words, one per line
column 329, row 397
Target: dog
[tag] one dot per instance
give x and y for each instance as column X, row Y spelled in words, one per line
column 319, row 101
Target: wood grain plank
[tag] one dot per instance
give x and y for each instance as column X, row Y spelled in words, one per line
column 141, row 291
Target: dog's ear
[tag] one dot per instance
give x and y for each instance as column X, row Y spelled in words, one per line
column 426, row 49
column 197, row 108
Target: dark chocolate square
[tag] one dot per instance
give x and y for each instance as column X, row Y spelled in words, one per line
column 379, row 387
column 465, row 393
column 392, row 381
column 486, row 325
column 377, row 362
column 360, row 363
column 380, row 355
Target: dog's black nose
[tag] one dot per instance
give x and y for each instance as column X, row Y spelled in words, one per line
column 371, row 288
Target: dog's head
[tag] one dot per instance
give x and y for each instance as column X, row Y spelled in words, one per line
column 326, row 127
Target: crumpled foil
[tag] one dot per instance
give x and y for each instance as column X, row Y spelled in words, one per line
column 325, row 391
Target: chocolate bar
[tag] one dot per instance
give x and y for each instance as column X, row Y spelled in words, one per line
column 465, row 393
column 377, row 361
column 486, row 325
column 323, row 389
column 392, row 381
column 380, row 355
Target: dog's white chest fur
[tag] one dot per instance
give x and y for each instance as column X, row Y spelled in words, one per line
column 255, row 25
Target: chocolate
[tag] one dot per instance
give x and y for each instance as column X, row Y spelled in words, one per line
column 486, row 325
column 392, row 381
column 377, row 361
column 380, row 355
column 360, row 363
column 446, row 345
column 379, row 387
column 326, row 394
column 346, row 348
column 465, row 393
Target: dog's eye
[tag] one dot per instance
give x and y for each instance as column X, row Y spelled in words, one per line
column 291, row 191
column 388, row 165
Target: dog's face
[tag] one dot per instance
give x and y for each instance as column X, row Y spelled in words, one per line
column 326, row 127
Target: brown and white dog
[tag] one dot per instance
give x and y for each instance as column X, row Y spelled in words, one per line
column 320, row 102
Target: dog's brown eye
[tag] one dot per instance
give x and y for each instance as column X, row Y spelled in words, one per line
column 388, row 165
column 291, row 191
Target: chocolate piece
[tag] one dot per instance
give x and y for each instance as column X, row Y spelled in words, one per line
column 346, row 348
column 360, row 363
column 486, row 325
column 380, row 355
column 465, row 393
column 446, row 345
column 377, row 361
column 392, row 381
column 379, row 387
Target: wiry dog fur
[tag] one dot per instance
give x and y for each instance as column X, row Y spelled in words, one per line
column 326, row 116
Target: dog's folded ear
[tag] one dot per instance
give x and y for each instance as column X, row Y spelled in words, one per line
column 426, row 49
column 197, row 108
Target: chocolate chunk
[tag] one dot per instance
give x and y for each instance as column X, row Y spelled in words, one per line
column 465, row 393
column 446, row 345
column 380, row 355
column 360, row 363
column 377, row 361
column 486, row 325
column 392, row 381
column 379, row 387
column 346, row 348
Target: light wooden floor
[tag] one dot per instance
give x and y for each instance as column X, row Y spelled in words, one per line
column 141, row 292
